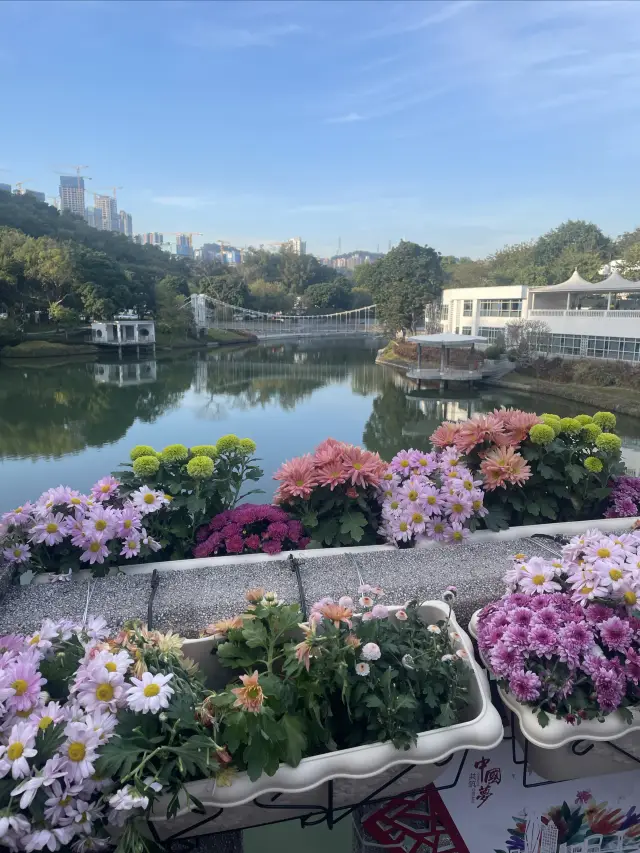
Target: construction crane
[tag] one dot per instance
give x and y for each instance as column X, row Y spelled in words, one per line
column 113, row 190
column 78, row 170
column 18, row 186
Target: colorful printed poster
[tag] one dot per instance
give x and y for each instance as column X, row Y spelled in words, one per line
column 494, row 813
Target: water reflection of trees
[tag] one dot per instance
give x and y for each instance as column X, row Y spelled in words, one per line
column 56, row 410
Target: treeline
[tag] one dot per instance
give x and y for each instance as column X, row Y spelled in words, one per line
column 54, row 262
column 550, row 259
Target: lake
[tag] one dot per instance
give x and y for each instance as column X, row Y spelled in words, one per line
column 72, row 423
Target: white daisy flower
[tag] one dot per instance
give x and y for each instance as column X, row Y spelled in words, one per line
column 150, row 693
column 80, row 751
column 127, row 798
column 433, row 629
column 13, row 756
column 363, row 668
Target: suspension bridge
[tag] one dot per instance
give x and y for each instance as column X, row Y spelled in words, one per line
column 211, row 313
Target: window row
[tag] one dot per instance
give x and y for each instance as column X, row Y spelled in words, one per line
column 500, row 308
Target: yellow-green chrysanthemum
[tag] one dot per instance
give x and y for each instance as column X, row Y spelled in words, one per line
column 608, row 442
column 174, row 453
column 141, row 450
column 146, row 466
column 247, row 446
column 200, row 467
column 570, row 426
column 552, row 421
column 605, row 420
column 593, row 464
column 591, row 432
column 227, row 443
column 542, row 434
column 209, row 450
column 584, row 419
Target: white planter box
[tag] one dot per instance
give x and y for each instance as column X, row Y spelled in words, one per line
column 550, row 752
column 354, row 773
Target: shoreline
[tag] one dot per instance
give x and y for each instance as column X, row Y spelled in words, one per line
column 592, row 395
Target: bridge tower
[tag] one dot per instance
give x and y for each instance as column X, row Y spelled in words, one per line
column 199, row 308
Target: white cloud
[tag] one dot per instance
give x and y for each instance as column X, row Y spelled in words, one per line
column 225, row 37
column 185, row 201
column 346, row 119
column 444, row 13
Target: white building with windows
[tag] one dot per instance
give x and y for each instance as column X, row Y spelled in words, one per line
column 483, row 311
column 585, row 319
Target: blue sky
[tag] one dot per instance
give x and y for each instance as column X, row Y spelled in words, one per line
column 462, row 124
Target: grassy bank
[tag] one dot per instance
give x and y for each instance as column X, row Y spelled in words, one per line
column 625, row 401
column 230, row 336
column 46, row 349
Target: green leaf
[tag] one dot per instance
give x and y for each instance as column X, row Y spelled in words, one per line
column 295, row 739
column 309, row 519
column 546, row 471
column 353, row 524
column 254, row 633
column 533, row 508
column 543, row 719
column 575, row 472
column 48, row 740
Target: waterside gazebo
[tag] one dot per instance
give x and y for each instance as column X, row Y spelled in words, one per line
column 446, row 341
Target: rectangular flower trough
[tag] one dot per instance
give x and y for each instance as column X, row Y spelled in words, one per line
column 562, row 751
column 340, row 778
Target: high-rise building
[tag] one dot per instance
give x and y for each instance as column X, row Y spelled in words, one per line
column 35, row 194
column 5, row 188
column 297, row 245
column 109, row 207
column 138, row 239
column 93, row 216
column 153, row 238
column 72, row 194
column 126, row 223
column 184, row 245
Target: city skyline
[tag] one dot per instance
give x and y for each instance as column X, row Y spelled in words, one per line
column 462, row 124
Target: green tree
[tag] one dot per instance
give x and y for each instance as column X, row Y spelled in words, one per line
column 173, row 318
column 403, row 282
column 361, row 297
column 220, row 281
column 584, row 236
column 269, row 296
column 464, row 272
column 571, row 258
column 625, row 242
column 630, row 266
column 327, row 297
column 516, row 265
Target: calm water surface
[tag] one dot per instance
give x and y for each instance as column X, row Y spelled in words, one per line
column 72, row 423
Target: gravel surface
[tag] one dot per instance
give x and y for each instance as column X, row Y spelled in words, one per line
column 187, row 600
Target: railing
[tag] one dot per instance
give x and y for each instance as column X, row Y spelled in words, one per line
column 577, row 312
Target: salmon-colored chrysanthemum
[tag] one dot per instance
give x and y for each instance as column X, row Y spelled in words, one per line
column 504, row 465
column 445, row 435
column 516, row 424
column 336, row 613
column 476, row 431
column 298, row 477
column 362, row 467
column 329, row 452
column 221, row 629
column 333, row 474
column 250, row 695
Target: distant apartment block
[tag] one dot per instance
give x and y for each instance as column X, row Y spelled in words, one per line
column 72, row 194
column 38, row 195
column 152, row 238
column 297, row 245
column 184, row 245
column 109, row 209
column 126, row 223
column 93, row 217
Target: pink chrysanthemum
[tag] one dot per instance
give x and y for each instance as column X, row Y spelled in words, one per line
column 504, row 465
column 479, row 429
column 298, row 477
column 516, row 424
column 362, row 467
column 445, row 434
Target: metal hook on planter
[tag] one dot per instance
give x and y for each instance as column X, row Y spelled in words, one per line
column 155, row 583
column 294, row 565
column 576, row 750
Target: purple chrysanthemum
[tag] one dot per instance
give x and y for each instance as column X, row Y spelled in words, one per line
column 616, row 633
column 525, row 686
